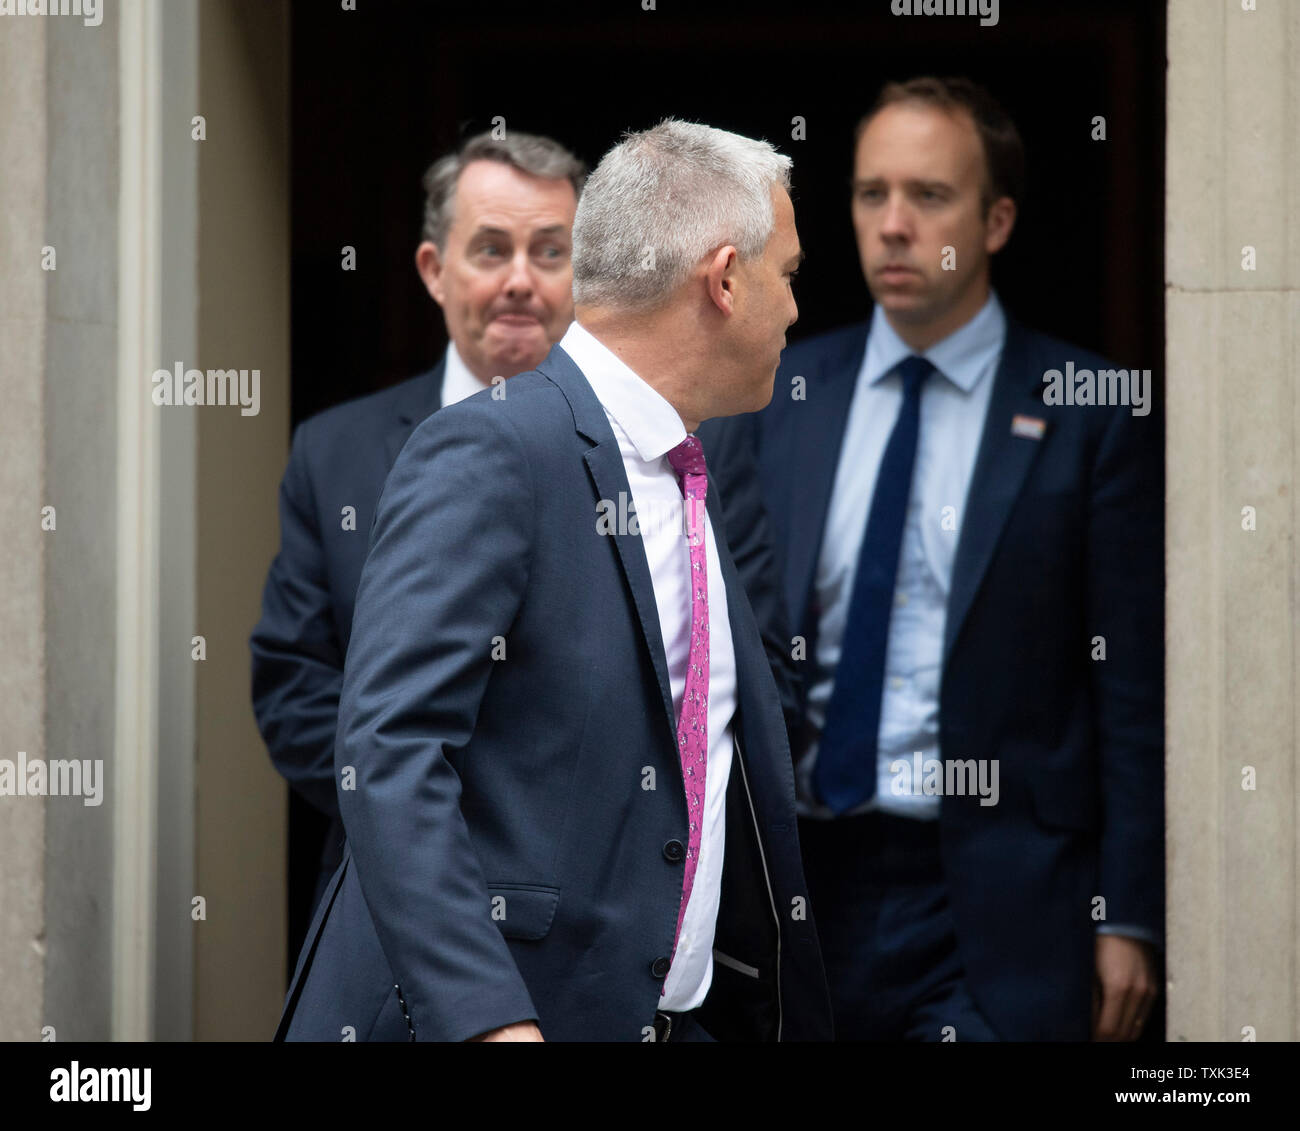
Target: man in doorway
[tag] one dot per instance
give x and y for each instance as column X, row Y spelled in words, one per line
column 495, row 256
column 973, row 570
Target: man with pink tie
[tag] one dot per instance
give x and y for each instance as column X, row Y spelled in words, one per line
column 562, row 764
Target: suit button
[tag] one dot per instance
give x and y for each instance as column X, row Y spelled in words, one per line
column 674, row 850
column 659, row 968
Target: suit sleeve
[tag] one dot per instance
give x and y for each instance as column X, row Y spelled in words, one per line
column 1126, row 607
column 297, row 658
column 446, row 572
column 731, row 449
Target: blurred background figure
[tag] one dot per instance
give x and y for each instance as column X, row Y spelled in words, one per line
column 976, row 579
column 495, row 256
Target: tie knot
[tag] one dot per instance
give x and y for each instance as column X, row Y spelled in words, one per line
column 688, row 457
column 914, row 370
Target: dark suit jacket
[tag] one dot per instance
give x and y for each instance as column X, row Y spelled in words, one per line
column 512, row 820
column 1061, row 541
column 339, row 458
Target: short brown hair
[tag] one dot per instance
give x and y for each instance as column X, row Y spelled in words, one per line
column 1004, row 152
column 529, row 153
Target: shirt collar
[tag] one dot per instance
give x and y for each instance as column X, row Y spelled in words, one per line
column 963, row 357
column 457, row 381
column 646, row 418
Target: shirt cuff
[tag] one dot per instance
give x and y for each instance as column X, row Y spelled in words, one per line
column 1128, row 931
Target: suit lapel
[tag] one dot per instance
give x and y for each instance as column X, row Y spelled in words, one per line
column 605, row 462
column 754, row 701
column 1001, row 467
column 421, row 398
column 812, row 453
column 605, row 465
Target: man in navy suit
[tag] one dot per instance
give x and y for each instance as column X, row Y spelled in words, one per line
column 561, row 757
column 970, row 555
column 495, row 256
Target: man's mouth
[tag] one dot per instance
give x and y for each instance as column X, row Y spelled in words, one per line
column 517, row 319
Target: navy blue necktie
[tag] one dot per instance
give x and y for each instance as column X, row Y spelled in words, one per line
column 845, row 772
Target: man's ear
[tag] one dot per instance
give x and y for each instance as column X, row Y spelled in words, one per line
column 997, row 227
column 720, row 278
column 429, row 264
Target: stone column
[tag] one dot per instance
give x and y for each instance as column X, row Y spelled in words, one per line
column 128, row 244
column 58, row 437
column 23, row 549
column 1233, row 418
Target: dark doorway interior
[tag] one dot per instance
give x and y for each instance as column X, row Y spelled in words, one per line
column 378, row 93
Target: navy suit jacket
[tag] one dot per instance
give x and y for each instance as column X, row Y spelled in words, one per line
column 339, row 458
column 1061, row 542
column 508, row 766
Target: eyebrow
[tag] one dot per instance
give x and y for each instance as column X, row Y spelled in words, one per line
column 863, row 182
column 549, row 230
column 795, row 260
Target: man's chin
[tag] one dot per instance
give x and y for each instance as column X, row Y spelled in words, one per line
column 517, row 355
column 904, row 305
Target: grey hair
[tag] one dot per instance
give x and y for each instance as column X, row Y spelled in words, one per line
column 660, row 201
column 529, row 153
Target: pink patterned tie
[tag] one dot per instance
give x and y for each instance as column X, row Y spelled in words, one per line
column 687, row 460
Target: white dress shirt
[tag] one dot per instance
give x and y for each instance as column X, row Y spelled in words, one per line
column 457, row 381
column 954, row 403
column 647, row 427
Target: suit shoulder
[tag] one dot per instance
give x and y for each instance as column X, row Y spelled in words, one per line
column 1055, row 351
column 359, row 415
column 529, row 407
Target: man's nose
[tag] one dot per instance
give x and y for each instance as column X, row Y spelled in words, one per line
column 896, row 220
column 520, row 280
